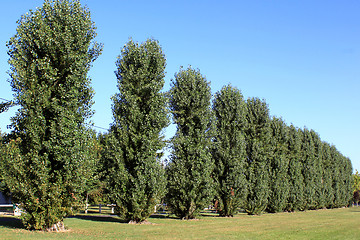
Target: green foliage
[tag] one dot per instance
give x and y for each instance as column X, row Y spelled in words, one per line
column 136, row 176
column 356, row 181
column 296, row 179
column 46, row 156
column 190, row 185
column 229, row 151
column 327, row 177
column 347, row 181
column 308, row 168
column 279, row 164
column 258, row 150
column 336, row 177
column 319, row 170
column 95, row 187
column 51, row 161
column 112, row 167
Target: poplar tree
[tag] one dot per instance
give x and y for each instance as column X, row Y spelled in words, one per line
column 190, row 185
column 46, row 162
column 318, row 170
column 229, row 150
column 348, row 182
column 327, row 177
column 258, row 150
column 336, row 176
column 137, row 178
column 279, row 164
column 296, row 179
column 345, row 181
column 309, row 169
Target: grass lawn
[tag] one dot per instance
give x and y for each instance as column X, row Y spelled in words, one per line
column 321, row 224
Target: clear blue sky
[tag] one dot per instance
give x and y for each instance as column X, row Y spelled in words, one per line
column 302, row 57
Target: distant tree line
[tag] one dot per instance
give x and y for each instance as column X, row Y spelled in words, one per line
column 227, row 152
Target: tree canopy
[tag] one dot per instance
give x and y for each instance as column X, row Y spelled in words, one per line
column 190, row 185
column 46, row 154
column 136, row 175
column 229, row 150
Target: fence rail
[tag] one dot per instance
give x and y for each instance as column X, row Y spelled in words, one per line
column 16, row 210
column 6, row 205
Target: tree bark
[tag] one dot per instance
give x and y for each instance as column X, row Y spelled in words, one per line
column 57, row 227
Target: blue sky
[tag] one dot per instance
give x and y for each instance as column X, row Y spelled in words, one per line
column 302, row 57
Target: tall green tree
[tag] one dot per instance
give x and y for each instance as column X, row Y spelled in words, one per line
column 356, row 181
column 190, row 185
column 308, row 169
column 258, row 150
column 279, row 164
column 296, row 199
column 94, row 187
column 140, row 116
column 229, row 150
column 336, row 176
column 47, row 161
column 318, row 170
column 346, row 181
column 327, row 176
column 112, row 170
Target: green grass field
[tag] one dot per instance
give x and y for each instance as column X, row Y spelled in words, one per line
column 321, row 224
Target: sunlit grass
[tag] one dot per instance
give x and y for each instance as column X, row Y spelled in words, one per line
column 321, row 224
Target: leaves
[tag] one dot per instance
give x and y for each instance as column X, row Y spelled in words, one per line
column 190, row 185
column 136, row 176
column 229, row 150
column 258, row 150
column 50, row 56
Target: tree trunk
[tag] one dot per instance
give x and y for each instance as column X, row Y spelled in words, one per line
column 57, row 227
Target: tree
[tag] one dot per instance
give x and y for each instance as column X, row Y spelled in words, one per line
column 279, row 164
column 190, row 185
column 327, row 177
column 229, row 151
column 46, row 158
column 336, row 176
column 296, row 199
column 356, row 187
column 347, row 181
column 356, row 181
column 258, row 150
column 318, row 170
column 309, row 169
column 140, row 115
column 94, row 187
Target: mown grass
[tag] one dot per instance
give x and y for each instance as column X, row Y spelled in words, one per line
column 321, row 224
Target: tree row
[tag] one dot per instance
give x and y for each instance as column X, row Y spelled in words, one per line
column 226, row 151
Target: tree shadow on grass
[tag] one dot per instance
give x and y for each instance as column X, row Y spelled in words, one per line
column 114, row 218
column 355, row 209
column 100, row 218
column 163, row 216
column 11, row 222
